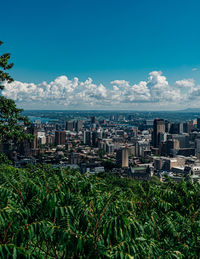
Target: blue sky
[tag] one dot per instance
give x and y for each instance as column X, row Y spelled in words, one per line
column 106, row 40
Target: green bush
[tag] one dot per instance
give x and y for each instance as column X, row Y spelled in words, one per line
column 58, row 213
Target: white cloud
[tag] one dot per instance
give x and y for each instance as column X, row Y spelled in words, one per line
column 63, row 93
column 185, row 83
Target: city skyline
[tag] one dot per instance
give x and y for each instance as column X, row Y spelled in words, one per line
column 95, row 55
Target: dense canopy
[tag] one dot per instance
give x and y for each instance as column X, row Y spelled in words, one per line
column 59, row 213
column 12, row 121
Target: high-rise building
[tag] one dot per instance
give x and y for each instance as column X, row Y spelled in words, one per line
column 94, row 120
column 69, row 125
column 169, row 147
column 197, row 144
column 60, row 137
column 158, row 127
column 95, row 138
column 74, row 158
column 110, row 148
column 58, row 126
column 78, row 125
column 167, row 126
column 188, row 126
column 87, row 137
column 183, row 140
column 198, row 123
column 176, row 128
column 50, row 139
column 180, row 128
column 122, row 157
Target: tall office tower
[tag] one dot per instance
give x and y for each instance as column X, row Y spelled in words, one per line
column 60, row 137
column 158, row 127
column 110, row 148
column 198, row 123
column 49, row 139
column 69, row 125
column 176, row 128
column 197, row 145
column 95, row 138
column 87, row 138
column 122, row 157
column 94, row 120
column 180, row 128
column 112, row 117
column 184, row 140
column 162, row 137
column 188, row 126
column 78, row 126
column 58, row 126
column 172, row 144
column 167, row 126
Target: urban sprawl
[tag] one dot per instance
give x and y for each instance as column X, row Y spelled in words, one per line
column 129, row 145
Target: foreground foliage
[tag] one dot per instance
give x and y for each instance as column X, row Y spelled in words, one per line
column 12, row 121
column 57, row 213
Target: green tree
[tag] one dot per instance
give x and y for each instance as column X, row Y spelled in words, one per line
column 11, row 120
column 48, row 212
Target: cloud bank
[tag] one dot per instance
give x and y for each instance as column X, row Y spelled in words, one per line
column 63, row 93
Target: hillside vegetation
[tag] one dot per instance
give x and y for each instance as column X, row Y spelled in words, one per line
column 57, row 213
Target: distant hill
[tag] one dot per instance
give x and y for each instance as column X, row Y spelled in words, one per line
column 193, row 110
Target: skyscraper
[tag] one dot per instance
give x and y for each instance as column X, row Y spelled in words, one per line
column 188, row 126
column 87, row 137
column 158, row 127
column 78, row 125
column 122, row 157
column 69, row 125
column 198, row 123
column 95, row 138
column 94, row 120
column 60, row 137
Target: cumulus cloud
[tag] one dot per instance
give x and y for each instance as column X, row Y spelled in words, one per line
column 66, row 93
column 185, row 83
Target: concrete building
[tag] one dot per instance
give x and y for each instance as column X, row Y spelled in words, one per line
column 50, row 139
column 183, row 140
column 197, row 148
column 167, row 163
column 140, row 147
column 42, row 140
column 60, row 137
column 188, row 126
column 74, row 158
column 69, row 125
column 158, row 127
column 94, row 120
column 87, row 138
column 122, row 157
column 95, row 138
column 110, row 148
column 176, row 128
column 78, row 125
column 198, row 123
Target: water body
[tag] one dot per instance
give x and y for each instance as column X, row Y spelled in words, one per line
column 43, row 120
